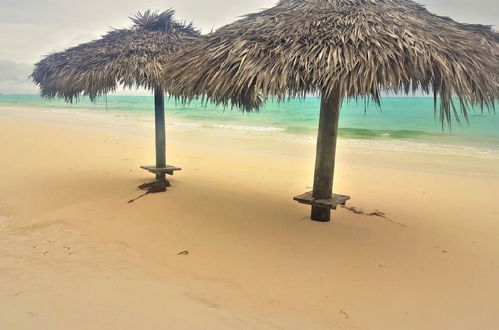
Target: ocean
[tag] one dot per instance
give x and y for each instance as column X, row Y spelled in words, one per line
column 401, row 123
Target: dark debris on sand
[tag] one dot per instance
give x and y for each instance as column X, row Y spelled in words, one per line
column 152, row 188
column 376, row 213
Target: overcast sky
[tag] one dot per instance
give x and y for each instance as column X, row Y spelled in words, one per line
column 30, row 29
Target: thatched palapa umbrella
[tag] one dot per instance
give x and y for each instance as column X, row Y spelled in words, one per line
column 133, row 57
column 341, row 49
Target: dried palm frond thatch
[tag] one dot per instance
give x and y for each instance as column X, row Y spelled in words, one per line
column 129, row 57
column 133, row 57
column 361, row 47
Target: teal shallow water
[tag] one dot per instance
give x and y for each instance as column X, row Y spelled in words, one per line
column 399, row 119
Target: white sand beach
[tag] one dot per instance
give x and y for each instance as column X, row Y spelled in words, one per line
column 75, row 255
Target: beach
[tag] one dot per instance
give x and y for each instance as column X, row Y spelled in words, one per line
column 226, row 247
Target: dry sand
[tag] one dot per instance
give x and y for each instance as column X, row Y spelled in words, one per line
column 75, row 255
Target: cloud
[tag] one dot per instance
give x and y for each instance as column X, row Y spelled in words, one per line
column 466, row 11
column 14, row 78
column 30, row 29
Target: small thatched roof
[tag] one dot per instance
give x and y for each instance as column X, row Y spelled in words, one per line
column 129, row 57
column 361, row 46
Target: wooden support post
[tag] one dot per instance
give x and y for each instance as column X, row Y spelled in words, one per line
column 326, row 152
column 159, row 108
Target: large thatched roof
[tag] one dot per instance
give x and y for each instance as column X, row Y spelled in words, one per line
column 362, row 46
column 129, row 57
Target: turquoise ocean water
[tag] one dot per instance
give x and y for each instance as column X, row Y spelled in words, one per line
column 405, row 119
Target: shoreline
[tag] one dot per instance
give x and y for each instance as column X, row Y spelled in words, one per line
column 401, row 119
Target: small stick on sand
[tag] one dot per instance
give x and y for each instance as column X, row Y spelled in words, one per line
column 344, row 313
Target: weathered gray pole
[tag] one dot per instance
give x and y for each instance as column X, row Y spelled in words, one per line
column 160, row 169
column 159, row 108
column 326, row 152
